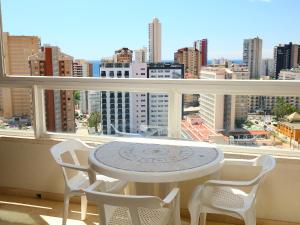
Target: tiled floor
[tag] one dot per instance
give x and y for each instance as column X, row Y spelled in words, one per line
column 29, row 211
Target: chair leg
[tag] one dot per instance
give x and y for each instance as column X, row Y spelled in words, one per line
column 83, row 207
column 195, row 219
column 250, row 217
column 202, row 218
column 66, row 208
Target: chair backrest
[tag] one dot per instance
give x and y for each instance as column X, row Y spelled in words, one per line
column 126, row 208
column 267, row 164
column 68, row 147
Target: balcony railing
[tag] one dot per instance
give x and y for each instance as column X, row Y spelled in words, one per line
column 174, row 88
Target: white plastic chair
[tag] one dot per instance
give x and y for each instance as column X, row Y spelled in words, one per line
column 77, row 177
column 115, row 209
column 224, row 197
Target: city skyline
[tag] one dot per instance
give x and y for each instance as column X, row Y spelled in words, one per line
column 225, row 36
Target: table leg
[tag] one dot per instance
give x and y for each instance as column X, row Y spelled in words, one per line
column 159, row 189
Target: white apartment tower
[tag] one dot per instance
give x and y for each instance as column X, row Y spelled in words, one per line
column 158, row 102
column 155, row 41
column 138, row 100
column 211, row 105
column 123, row 111
column 221, row 112
column 252, row 53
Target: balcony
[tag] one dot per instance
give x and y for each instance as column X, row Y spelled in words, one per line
column 27, row 169
column 27, row 182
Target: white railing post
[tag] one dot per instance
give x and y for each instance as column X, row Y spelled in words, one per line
column 174, row 114
column 38, row 111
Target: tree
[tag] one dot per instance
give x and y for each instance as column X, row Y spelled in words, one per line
column 282, row 108
column 76, row 97
column 94, row 120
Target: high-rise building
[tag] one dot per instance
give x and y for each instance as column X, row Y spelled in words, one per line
column 235, row 106
column 295, row 58
column 138, row 100
column 202, row 45
column 286, row 57
column 59, row 104
column 154, row 41
column 140, row 55
column 252, row 55
column 191, row 59
column 123, row 111
column 17, row 49
column 158, row 103
column 123, row 55
column 82, row 68
column 221, row 112
column 267, row 67
column 115, row 106
column 267, row 103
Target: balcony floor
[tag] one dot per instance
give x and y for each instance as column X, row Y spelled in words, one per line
column 16, row 210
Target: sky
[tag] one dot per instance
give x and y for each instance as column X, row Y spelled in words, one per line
column 93, row 29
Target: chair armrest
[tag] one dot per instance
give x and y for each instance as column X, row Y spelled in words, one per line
column 239, row 162
column 171, row 196
column 75, row 167
column 100, row 186
column 94, row 186
column 229, row 183
column 118, row 187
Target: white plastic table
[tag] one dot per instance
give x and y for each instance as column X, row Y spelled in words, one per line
column 156, row 161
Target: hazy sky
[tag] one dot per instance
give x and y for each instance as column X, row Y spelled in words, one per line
column 92, row 29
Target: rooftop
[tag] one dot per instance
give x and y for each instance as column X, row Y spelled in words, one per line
column 294, row 125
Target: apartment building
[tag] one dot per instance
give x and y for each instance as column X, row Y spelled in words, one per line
column 158, row 102
column 17, row 49
column 202, row 46
column 292, row 74
column 123, row 55
column 235, row 106
column 252, row 56
column 115, row 106
column 138, row 100
column 59, row 104
column 212, row 106
column 267, row 67
column 267, row 103
column 82, row 68
column 125, row 111
column 154, row 33
column 221, row 112
column 286, row 56
column 191, row 59
column 140, row 55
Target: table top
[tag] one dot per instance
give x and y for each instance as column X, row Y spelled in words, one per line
column 144, row 160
